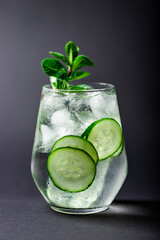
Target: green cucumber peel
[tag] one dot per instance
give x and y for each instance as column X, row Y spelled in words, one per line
column 106, row 136
column 69, row 70
column 119, row 151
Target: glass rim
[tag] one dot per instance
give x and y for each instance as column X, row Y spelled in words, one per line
column 103, row 87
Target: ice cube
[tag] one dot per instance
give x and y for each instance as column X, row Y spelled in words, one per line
column 104, row 105
column 98, row 105
column 62, row 131
column 85, row 120
column 64, row 123
column 78, row 104
column 48, row 137
column 49, row 104
column 81, row 111
column 111, row 103
column 61, row 118
column 112, row 109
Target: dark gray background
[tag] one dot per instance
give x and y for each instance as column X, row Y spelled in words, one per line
column 121, row 38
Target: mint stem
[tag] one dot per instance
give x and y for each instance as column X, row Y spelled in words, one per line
column 69, row 72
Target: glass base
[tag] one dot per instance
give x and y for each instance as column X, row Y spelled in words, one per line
column 79, row 211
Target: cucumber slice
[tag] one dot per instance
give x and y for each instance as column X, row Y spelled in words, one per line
column 76, row 142
column 106, row 135
column 71, row 169
column 119, row 151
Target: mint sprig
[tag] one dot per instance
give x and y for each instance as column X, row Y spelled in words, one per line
column 70, row 72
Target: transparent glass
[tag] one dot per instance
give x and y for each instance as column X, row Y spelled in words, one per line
column 62, row 113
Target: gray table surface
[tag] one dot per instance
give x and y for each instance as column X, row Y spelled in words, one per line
column 27, row 219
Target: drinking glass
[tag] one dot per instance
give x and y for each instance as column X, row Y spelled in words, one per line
column 71, row 112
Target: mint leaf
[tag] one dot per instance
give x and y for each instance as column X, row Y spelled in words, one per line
column 72, row 51
column 79, row 87
column 60, row 57
column 53, row 67
column 77, row 75
column 81, row 61
column 61, row 84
